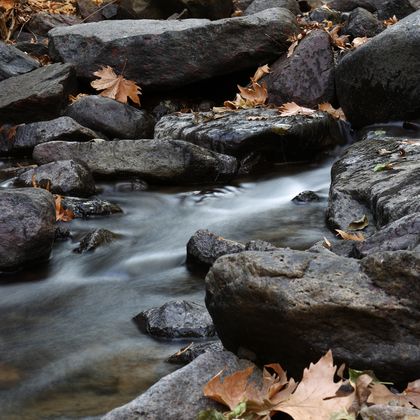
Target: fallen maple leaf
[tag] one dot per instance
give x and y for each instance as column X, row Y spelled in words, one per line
column 61, row 214
column 294, row 39
column 336, row 113
column 359, row 224
column 261, row 71
column 350, row 236
column 292, row 108
column 116, row 87
column 337, row 40
column 7, row 5
column 357, row 42
column 390, row 21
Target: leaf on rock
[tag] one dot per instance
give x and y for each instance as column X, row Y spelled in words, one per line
column 292, row 108
column 357, row 42
column 326, row 243
column 337, row 40
column 294, row 39
column 357, row 236
column 413, row 393
column 116, row 87
column 359, row 224
column 336, row 113
column 383, row 167
column 249, row 97
column 261, row 72
column 61, row 214
column 391, row 21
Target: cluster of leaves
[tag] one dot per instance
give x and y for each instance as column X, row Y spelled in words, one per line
column 317, row 396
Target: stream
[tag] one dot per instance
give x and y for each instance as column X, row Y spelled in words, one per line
column 68, row 347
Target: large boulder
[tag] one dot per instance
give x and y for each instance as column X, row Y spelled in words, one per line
column 181, row 393
column 38, row 95
column 27, row 227
column 362, row 23
column 307, row 76
column 166, row 54
column 389, row 8
column 379, row 81
column 14, row 62
column 254, row 130
column 169, row 161
column 260, row 5
column 292, row 306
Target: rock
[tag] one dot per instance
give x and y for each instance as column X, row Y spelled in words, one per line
column 92, row 12
column 14, row 62
column 185, row 386
column 384, row 196
column 111, row 117
column 176, row 319
column 362, row 23
column 35, row 48
column 62, row 128
column 293, row 306
column 402, row 234
column 95, row 239
column 321, row 13
column 378, row 81
column 27, row 226
column 260, row 5
column 159, row 50
column 306, row 197
column 62, row 233
column 37, row 95
column 388, row 8
column 188, row 353
column 42, row 22
column 64, row 177
column 349, row 5
column 415, row 4
column 169, row 161
column 204, row 248
column 82, row 207
column 307, row 76
column 14, row 171
column 259, row 245
column 131, row 185
column 388, row 412
column 254, row 130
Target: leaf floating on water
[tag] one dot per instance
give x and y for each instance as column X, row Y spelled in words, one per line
column 359, row 224
column 350, row 236
column 383, row 167
column 292, row 108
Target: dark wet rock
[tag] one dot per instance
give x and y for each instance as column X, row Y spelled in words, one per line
column 37, row 95
column 62, row 128
column 132, row 185
column 190, row 352
column 388, row 412
column 62, row 233
column 307, row 76
column 362, row 23
column 185, row 386
column 14, row 62
column 95, row 239
column 35, row 48
column 259, row 245
column 388, row 8
column 321, row 13
column 378, row 81
column 403, row 234
column 415, row 4
column 214, row 9
column 14, row 171
column 82, row 207
column 27, row 226
column 306, row 197
column 260, row 5
column 243, row 4
column 319, row 301
column 217, row 50
column 111, row 117
column 169, row 161
column 92, row 12
column 176, row 319
column 41, row 23
column 254, row 130
column 383, row 196
column 64, row 177
column 204, row 247
column 349, row 5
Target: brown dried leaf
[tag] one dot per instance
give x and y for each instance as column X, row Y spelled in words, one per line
column 358, row 236
column 292, row 108
column 326, row 243
column 261, row 71
column 7, row 5
column 73, row 99
column 116, row 87
column 413, row 393
column 391, row 21
column 61, row 214
column 357, row 42
column 336, row 113
column 255, row 95
column 359, row 224
column 337, row 40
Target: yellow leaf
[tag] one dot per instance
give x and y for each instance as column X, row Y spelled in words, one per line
column 116, row 87
column 292, row 108
column 336, row 113
column 350, row 236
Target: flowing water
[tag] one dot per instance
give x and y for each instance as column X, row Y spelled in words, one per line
column 68, row 347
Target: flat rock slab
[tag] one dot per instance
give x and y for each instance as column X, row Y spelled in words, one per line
column 166, row 54
column 291, row 306
column 242, row 132
column 169, row 161
column 14, row 62
column 27, row 227
column 383, row 196
column 38, row 95
column 181, row 392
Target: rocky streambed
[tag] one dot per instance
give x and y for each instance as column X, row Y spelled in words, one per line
column 112, row 215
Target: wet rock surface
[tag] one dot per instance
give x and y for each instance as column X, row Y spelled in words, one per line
column 170, row 44
column 82, row 207
column 190, row 352
column 43, row 22
column 169, row 161
column 14, row 62
column 95, row 239
column 176, row 319
column 27, row 226
column 362, row 23
column 306, row 197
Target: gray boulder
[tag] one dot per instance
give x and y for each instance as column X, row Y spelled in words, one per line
column 27, row 227
column 362, row 23
column 307, row 76
column 260, row 5
column 254, row 130
column 169, row 161
column 95, row 239
column 160, row 50
column 383, row 196
column 181, row 393
column 64, row 177
column 113, row 118
column 82, row 207
column 292, row 306
column 389, row 8
column 38, row 95
column 176, row 319
column 378, row 81
column 14, row 62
